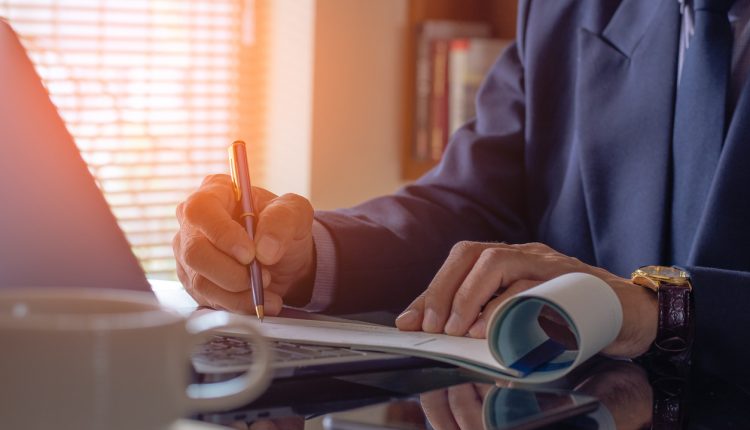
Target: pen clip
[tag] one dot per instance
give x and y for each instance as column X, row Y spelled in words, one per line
column 233, row 171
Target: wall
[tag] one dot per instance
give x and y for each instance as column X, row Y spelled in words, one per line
column 289, row 120
column 357, row 100
column 335, row 99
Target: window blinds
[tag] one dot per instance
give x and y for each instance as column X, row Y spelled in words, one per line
column 150, row 90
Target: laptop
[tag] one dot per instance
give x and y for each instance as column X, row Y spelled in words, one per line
column 57, row 230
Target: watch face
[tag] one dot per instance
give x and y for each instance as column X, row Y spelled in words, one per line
column 665, row 273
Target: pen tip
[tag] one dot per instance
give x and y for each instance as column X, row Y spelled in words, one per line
column 259, row 312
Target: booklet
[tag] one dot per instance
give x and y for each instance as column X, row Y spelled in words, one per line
column 516, row 347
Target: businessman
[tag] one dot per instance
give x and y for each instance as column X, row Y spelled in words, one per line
column 613, row 134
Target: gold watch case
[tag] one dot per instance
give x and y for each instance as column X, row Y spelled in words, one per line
column 652, row 277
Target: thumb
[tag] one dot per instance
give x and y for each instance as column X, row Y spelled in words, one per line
column 411, row 318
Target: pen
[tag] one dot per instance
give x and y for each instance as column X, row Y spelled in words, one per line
column 243, row 194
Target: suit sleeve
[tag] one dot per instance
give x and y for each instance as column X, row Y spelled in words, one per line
column 388, row 249
column 721, row 320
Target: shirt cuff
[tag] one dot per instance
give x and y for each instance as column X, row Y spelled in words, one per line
column 325, row 269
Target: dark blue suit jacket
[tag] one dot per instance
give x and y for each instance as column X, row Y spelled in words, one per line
column 571, row 147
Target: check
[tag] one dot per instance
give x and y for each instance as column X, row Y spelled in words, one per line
column 516, row 348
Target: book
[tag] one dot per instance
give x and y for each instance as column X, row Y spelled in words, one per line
column 427, row 33
column 439, row 99
column 516, row 348
column 469, row 61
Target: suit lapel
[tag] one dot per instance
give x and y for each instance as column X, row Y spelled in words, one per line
column 624, row 113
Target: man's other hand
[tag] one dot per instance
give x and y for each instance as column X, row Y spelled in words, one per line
column 477, row 277
column 213, row 249
column 460, row 407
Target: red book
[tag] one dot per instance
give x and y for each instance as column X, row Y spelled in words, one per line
column 428, row 32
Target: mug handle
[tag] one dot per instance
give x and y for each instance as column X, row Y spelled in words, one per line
column 242, row 389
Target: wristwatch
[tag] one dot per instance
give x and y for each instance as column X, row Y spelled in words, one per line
column 668, row 361
column 673, row 288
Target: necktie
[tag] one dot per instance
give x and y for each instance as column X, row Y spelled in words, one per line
column 700, row 120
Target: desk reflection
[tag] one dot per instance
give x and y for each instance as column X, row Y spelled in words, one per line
column 288, row 423
column 622, row 388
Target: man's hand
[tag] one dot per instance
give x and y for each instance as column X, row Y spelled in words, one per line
column 462, row 295
column 213, row 250
column 456, row 408
column 623, row 388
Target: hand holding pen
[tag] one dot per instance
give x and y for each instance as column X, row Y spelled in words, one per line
column 213, row 248
column 243, row 193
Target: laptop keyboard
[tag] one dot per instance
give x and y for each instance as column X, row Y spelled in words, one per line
column 232, row 351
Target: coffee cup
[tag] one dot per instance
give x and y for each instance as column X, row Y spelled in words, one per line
column 110, row 359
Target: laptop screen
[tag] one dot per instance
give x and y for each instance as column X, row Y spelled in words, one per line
column 56, row 229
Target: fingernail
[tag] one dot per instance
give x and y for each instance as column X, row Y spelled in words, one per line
column 408, row 317
column 451, row 327
column 242, row 254
column 477, row 330
column 430, row 322
column 268, row 247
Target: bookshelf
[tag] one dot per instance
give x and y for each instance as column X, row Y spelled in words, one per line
column 500, row 14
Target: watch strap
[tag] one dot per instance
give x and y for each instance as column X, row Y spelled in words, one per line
column 674, row 334
column 671, row 350
column 668, row 402
column 669, row 358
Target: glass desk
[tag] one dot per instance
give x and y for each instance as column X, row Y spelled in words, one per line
column 631, row 396
column 449, row 398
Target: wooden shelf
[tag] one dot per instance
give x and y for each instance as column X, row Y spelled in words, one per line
column 501, row 14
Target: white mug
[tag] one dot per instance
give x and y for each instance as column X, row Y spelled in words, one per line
column 108, row 359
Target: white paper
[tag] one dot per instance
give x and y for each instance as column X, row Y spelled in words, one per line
column 466, row 352
column 588, row 303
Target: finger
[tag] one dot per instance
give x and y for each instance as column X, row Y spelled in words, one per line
column 198, row 253
column 180, row 212
column 185, row 280
column 182, row 273
column 521, row 286
column 537, row 261
column 220, row 298
column 466, row 404
column 437, row 410
column 262, row 198
column 503, row 383
column 439, row 294
column 535, row 247
column 478, row 330
column 264, row 425
column 177, row 250
column 484, row 279
column 483, row 390
column 180, row 209
column 281, row 221
column 514, row 288
column 411, row 318
column 209, row 210
column 270, row 285
column 290, row 423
